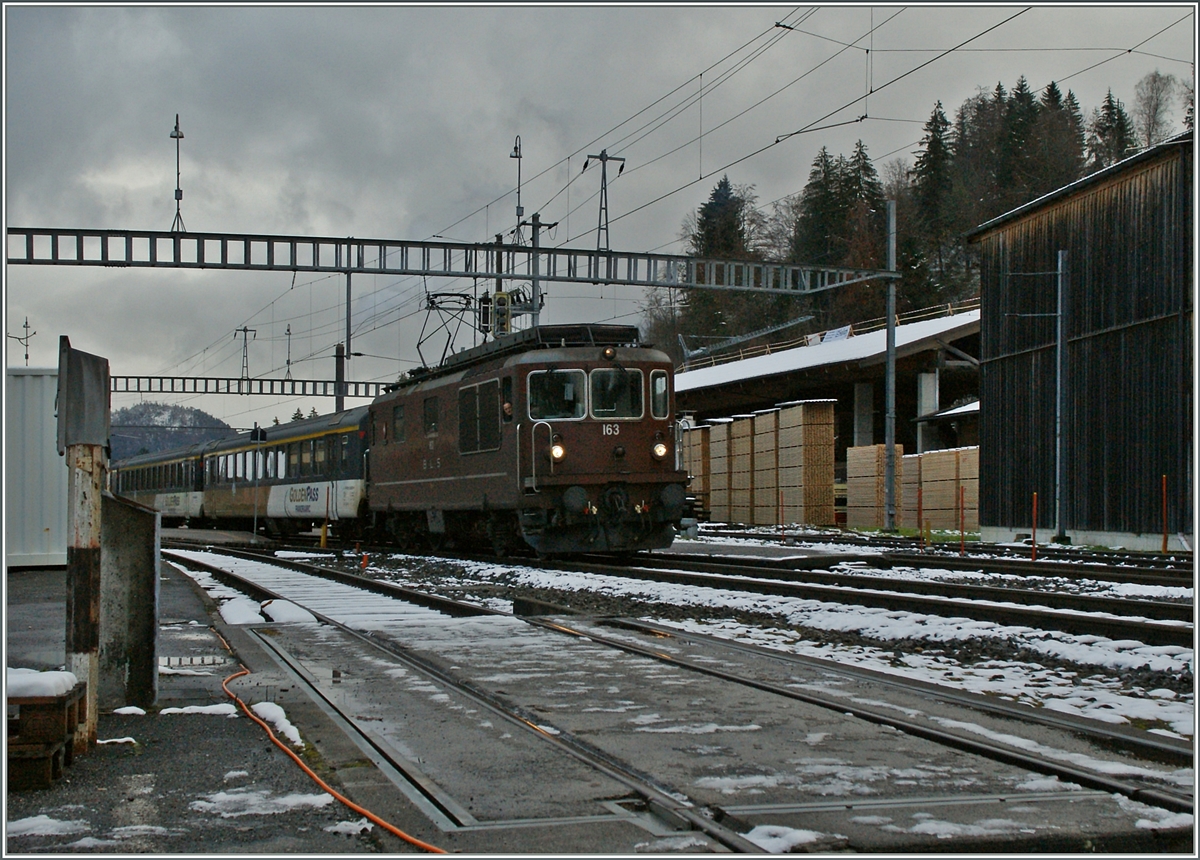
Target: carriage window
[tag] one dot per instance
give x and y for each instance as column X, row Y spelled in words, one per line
column 319, row 449
column 306, row 457
column 431, row 416
column 556, row 394
column 398, row 423
column 616, row 393
column 293, row 468
column 345, row 448
column 281, row 468
column 271, row 463
column 660, row 401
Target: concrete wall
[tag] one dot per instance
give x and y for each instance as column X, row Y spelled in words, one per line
column 129, row 552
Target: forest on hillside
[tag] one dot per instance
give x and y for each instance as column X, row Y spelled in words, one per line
column 998, row 151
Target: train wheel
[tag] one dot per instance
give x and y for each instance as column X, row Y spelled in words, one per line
column 437, row 541
column 502, row 533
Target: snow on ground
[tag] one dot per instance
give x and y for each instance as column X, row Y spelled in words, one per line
column 44, row 825
column 350, row 828
column 1101, row 696
column 283, row 611
column 273, row 714
column 223, row 710
column 782, row 840
column 239, row 801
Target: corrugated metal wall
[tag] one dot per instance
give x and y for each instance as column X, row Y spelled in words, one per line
column 35, row 476
column 1128, row 415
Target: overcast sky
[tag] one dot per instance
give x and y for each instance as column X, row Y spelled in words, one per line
column 397, row 122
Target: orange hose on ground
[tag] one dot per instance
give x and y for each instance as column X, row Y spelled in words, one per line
column 370, row 816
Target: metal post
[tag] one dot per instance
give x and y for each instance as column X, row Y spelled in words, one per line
column 536, row 281
column 889, row 435
column 85, row 464
column 339, row 378
column 347, row 306
column 1060, row 459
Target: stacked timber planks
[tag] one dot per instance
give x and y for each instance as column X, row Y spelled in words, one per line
column 805, row 457
column 968, row 480
column 910, row 486
column 947, row 479
column 741, row 469
column 766, row 467
column 866, row 495
column 718, row 470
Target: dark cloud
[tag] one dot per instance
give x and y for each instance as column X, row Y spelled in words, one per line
column 397, row 122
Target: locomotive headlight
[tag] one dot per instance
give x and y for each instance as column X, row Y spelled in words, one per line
column 557, row 450
column 659, row 450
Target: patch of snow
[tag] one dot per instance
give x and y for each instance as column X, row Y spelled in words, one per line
column 236, row 774
column 125, row 740
column 284, row 611
column 233, row 804
column 781, row 840
column 133, row 710
column 350, row 828
column 44, row 825
column 241, row 610
column 273, row 714
column 31, row 682
column 168, row 670
column 222, row 710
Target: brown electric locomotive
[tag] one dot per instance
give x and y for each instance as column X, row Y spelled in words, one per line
column 558, row 436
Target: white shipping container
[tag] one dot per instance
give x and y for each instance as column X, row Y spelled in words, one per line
column 35, row 476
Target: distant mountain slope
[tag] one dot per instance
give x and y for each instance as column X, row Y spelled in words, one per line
column 146, row 428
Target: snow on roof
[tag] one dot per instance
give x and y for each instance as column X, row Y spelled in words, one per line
column 855, row 348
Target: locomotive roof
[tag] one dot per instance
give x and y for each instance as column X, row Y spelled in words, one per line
column 541, row 337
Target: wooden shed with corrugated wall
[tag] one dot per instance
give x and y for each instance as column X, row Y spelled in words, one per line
column 1127, row 421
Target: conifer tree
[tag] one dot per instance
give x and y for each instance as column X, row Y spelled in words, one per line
column 1111, row 135
column 932, row 183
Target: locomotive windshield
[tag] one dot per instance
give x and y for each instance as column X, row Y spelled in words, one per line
column 616, row 393
column 556, row 394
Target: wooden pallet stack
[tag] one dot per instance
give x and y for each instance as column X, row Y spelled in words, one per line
column 939, row 488
column 718, row 470
column 43, row 736
column 805, row 458
column 968, row 480
column 866, row 495
column 766, row 467
column 741, row 469
column 696, row 464
column 910, row 484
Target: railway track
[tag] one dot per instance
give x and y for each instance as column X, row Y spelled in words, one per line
column 1183, row 562
column 1153, row 622
column 768, row 673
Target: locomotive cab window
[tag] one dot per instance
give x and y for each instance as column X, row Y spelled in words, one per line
column 616, row 393
column 660, row 400
column 557, row 394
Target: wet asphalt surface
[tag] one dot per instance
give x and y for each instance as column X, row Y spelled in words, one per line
column 189, row 783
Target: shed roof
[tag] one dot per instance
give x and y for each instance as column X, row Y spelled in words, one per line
column 864, row 349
